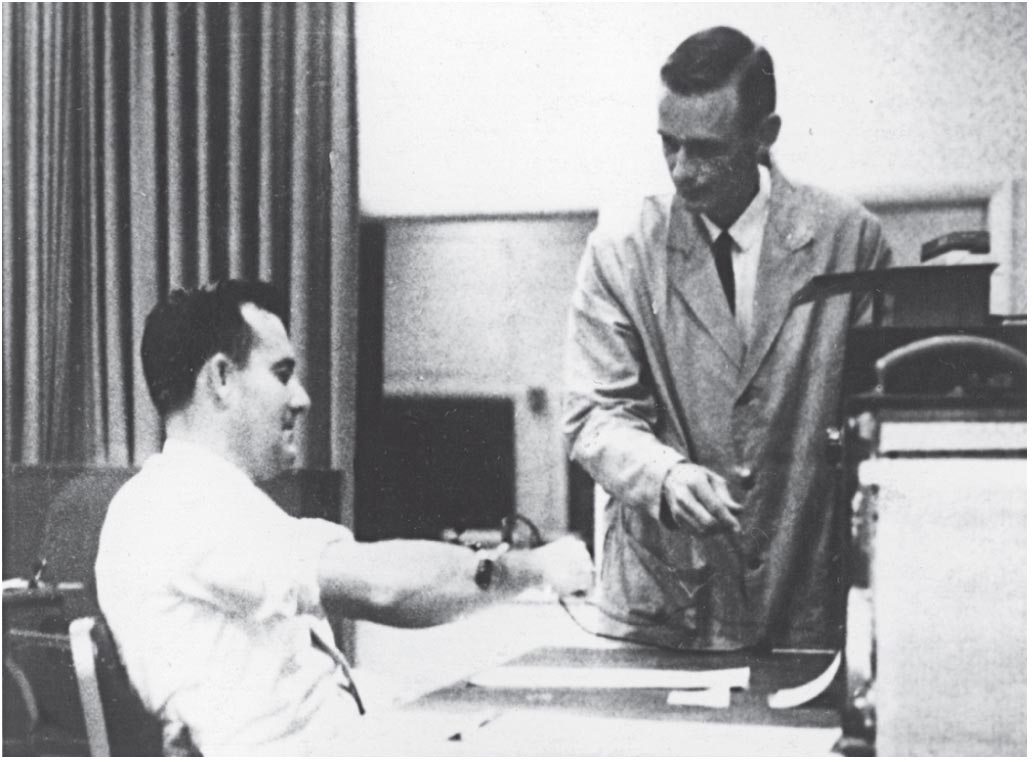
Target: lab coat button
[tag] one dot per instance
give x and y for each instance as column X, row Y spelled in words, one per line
column 746, row 477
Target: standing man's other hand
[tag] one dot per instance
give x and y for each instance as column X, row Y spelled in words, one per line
column 699, row 500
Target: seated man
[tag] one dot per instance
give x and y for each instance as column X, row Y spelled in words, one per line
column 217, row 597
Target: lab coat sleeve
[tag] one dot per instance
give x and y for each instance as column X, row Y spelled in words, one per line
column 610, row 409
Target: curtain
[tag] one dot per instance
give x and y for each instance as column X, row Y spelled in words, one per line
column 152, row 146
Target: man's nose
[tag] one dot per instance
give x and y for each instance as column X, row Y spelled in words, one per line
column 299, row 400
column 684, row 167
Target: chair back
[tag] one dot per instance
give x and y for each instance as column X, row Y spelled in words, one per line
column 41, row 714
column 54, row 511
column 71, row 533
column 117, row 723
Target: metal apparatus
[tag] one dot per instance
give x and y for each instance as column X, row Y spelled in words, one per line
column 933, row 454
column 935, row 622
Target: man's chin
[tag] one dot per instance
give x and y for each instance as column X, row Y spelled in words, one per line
column 288, row 458
column 695, row 203
column 284, row 462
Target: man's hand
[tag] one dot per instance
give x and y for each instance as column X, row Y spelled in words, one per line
column 565, row 565
column 698, row 499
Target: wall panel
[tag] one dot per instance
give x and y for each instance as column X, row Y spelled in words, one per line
column 477, row 307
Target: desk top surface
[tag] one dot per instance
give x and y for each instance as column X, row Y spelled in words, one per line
column 769, row 671
column 469, row 720
column 501, row 719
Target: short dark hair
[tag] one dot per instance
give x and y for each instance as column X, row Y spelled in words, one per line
column 713, row 57
column 190, row 326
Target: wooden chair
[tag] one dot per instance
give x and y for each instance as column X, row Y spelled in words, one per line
column 117, row 723
column 41, row 698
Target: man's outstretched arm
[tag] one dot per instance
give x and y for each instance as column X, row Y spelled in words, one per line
column 415, row 584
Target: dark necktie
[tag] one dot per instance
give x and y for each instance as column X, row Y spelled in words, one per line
column 722, row 256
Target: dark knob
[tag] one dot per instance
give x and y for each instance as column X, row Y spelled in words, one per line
column 746, row 476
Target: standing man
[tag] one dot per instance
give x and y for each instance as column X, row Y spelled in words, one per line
column 697, row 394
column 215, row 596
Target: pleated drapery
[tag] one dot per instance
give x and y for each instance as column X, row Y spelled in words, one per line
column 151, row 146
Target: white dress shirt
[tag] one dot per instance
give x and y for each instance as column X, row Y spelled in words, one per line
column 211, row 592
column 747, row 235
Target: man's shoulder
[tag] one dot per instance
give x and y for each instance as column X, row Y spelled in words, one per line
column 632, row 223
column 620, row 215
column 148, row 494
column 137, row 521
column 825, row 205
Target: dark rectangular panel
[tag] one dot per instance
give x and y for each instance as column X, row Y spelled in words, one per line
column 444, row 462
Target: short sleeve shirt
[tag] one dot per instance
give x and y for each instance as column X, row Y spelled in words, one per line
column 211, row 591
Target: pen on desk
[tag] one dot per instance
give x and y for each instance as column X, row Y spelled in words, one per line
column 476, row 722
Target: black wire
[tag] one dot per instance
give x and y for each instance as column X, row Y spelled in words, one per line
column 508, row 529
column 613, row 636
column 509, row 523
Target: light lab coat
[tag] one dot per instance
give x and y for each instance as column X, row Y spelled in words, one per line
column 657, row 372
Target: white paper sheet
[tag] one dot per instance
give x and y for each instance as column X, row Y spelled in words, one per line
column 716, row 698
column 542, row 677
column 798, row 695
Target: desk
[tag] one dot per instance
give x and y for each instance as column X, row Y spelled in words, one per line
column 535, row 721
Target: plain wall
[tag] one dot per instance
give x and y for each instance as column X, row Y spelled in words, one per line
column 469, row 108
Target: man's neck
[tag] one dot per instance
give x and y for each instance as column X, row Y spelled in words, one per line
column 180, row 428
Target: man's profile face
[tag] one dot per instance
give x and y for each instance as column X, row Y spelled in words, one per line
column 268, row 398
column 710, row 155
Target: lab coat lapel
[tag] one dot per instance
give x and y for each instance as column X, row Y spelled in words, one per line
column 786, row 264
column 693, row 274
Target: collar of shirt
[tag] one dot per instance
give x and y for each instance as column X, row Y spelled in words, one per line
column 747, row 231
column 203, row 460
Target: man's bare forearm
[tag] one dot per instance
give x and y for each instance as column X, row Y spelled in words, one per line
column 415, row 584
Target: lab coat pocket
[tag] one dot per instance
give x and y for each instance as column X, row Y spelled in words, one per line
column 665, row 575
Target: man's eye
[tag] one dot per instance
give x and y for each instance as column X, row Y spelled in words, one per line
column 284, row 375
column 670, row 145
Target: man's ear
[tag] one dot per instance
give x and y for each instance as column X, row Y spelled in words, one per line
column 214, row 378
column 767, row 131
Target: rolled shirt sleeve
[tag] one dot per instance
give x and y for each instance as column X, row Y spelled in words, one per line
column 262, row 570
